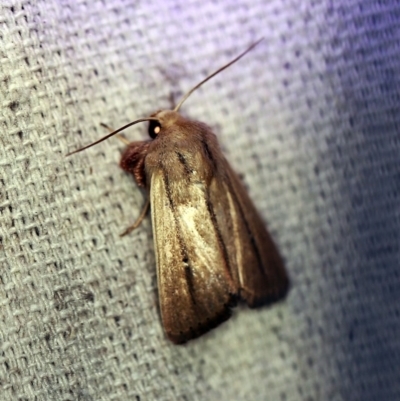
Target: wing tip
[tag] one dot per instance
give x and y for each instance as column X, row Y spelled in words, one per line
column 274, row 293
column 181, row 337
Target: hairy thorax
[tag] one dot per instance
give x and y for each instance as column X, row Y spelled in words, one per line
column 180, row 153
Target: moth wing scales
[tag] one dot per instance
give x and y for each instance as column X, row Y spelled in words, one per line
column 261, row 273
column 195, row 291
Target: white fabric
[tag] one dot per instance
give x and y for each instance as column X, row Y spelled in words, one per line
column 311, row 120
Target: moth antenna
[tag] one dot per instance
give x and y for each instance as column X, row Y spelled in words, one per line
column 112, row 134
column 120, row 137
column 217, row 72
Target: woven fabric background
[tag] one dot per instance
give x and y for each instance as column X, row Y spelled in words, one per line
column 310, row 119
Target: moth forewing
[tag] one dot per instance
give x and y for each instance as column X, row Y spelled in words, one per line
column 263, row 278
column 195, row 289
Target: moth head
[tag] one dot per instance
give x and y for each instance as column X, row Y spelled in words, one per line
column 160, row 120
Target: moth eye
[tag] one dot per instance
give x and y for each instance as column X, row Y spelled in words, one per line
column 154, row 128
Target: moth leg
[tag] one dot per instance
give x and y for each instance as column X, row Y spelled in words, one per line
column 139, row 219
column 118, row 136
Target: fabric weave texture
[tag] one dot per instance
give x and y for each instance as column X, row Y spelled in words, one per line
column 310, row 119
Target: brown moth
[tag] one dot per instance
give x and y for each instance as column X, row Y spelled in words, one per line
column 212, row 247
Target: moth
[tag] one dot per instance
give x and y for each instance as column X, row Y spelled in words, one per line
column 212, row 247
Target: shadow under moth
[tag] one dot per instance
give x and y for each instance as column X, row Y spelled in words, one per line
column 212, row 247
